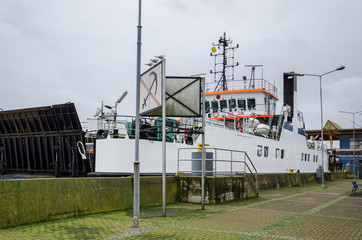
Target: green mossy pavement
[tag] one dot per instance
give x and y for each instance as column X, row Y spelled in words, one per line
column 307, row 212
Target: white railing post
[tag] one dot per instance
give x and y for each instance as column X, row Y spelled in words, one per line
column 244, row 163
column 231, row 162
column 215, row 161
column 178, row 161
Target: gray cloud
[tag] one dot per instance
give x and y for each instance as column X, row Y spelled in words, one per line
column 85, row 51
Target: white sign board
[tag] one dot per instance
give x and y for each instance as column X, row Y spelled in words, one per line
column 183, row 98
column 151, row 89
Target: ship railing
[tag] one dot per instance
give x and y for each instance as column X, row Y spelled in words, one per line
column 245, row 84
column 218, row 162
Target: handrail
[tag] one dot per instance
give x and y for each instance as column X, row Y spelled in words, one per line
column 244, row 84
column 250, row 161
column 248, row 167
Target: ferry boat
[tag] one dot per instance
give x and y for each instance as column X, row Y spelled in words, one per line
column 240, row 122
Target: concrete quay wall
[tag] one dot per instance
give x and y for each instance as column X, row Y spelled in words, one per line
column 33, row 200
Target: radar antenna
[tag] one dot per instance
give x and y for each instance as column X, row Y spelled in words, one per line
column 220, row 67
column 252, row 76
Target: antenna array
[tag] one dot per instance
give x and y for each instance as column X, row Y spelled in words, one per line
column 224, row 60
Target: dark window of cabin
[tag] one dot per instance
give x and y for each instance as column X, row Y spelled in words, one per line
column 207, row 106
column 241, row 104
column 223, row 104
column 251, row 103
column 282, row 153
column 215, row 104
column 232, row 103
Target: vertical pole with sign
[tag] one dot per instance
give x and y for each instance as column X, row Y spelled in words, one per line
column 203, row 148
column 153, row 98
column 164, row 138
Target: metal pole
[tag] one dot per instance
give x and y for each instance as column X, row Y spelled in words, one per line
column 136, row 174
column 215, row 161
column 354, row 152
column 224, row 63
column 1, row 161
column 321, row 100
column 354, row 142
column 203, row 148
column 163, row 139
column 231, row 163
column 178, row 161
column 322, row 139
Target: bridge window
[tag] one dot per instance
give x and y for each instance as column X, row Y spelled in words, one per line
column 251, row 103
column 241, row 104
column 215, row 104
column 207, row 106
column 223, row 104
column 282, row 153
column 259, row 150
column 266, row 151
column 232, row 103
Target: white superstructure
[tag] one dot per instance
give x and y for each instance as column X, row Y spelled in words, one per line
column 242, row 120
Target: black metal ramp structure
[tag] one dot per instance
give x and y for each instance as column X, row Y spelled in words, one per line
column 42, row 140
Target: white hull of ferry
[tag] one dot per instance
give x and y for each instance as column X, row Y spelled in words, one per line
column 117, row 155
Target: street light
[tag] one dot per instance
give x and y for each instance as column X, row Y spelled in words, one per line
column 320, row 87
column 136, row 163
column 354, row 143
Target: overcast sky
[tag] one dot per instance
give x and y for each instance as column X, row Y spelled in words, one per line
column 84, row 51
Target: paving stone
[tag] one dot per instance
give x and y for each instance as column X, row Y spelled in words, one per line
column 288, row 206
column 308, row 212
column 246, row 220
column 320, row 227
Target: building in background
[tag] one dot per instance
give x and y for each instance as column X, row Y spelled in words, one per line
column 348, row 157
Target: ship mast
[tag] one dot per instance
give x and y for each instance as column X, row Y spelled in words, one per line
column 220, row 67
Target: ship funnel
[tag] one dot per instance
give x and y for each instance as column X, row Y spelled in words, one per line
column 290, row 93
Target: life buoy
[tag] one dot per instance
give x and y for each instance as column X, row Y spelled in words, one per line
column 238, row 125
column 215, row 114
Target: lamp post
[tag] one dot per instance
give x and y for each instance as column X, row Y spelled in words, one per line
column 321, row 100
column 136, row 164
column 354, row 143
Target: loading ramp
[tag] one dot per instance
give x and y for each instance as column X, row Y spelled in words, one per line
column 42, row 140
